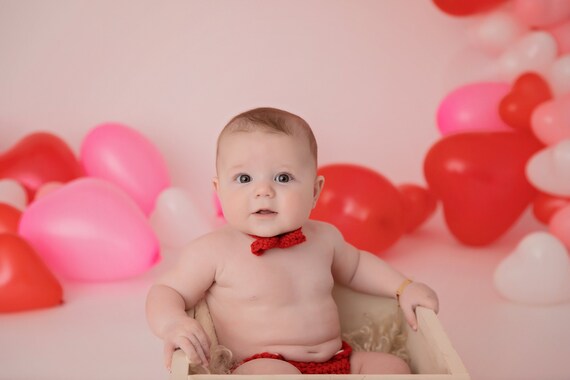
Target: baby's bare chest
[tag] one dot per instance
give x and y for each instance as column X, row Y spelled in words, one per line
column 278, row 275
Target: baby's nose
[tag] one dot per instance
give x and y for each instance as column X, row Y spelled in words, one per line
column 264, row 189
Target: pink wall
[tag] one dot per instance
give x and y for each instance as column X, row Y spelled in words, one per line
column 367, row 75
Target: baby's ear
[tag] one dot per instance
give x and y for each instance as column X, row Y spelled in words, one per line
column 318, row 187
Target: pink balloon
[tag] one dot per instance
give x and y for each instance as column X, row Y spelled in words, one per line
column 551, row 120
column 560, row 225
column 473, row 107
column 90, row 230
column 541, row 13
column 561, row 34
column 125, row 157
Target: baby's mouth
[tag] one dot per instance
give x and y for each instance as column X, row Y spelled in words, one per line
column 264, row 212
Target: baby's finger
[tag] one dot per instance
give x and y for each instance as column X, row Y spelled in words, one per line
column 168, row 351
column 204, row 340
column 199, row 349
column 188, row 348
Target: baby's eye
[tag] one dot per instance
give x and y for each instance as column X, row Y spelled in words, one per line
column 243, row 178
column 283, row 177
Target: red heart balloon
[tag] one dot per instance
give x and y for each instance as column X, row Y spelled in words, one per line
column 480, row 179
column 362, row 204
column 39, row 158
column 9, row 218
column 466, row 7
column 25, row 281
column 529, row 90
column 545, row 206
column 418, row 204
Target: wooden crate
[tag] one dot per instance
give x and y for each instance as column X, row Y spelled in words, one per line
column 431, row 353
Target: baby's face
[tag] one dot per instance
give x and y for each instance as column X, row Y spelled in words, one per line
column 267, row 182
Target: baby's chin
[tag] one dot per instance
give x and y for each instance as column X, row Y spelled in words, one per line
column 269, row 231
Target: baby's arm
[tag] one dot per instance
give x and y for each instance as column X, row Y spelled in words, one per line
column 367, row 273
column 171, row 296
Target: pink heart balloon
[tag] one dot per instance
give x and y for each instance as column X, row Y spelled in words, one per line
column 550, row 121
column 549, row 169
column 90, row 230
column 125, row 157
column 473, row 107
column 560, row 225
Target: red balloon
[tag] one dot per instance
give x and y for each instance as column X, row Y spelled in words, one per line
column 9, row 218
column 26, row 282
column 418, row 204
column 362, row 204
column 466, row 7
column 529, row 90
column 480, row 179
column 545, row 206
column 39, row 158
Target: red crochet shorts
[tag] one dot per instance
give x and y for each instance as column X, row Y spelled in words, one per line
column 338, row 364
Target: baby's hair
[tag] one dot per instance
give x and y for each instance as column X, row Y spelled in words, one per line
column 271, row 120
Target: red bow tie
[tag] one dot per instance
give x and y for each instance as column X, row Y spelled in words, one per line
column 286, row 240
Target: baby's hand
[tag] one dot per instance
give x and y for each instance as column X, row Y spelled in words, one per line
column 417, row 294
column 188, row 335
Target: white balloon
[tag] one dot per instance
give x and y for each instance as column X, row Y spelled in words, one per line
column 176, row 220
column 549, row 169
column 559, row 75
column 496, row 31
column 535, row 51
column 13, row 193
column 536, row 272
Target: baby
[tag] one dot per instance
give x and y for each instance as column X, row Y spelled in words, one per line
column 270, row 299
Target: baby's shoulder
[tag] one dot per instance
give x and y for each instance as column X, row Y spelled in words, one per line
column 210, row 244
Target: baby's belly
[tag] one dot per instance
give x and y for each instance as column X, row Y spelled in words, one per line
column 304, row 331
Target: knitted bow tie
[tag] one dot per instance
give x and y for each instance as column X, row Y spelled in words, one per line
column 286, row 240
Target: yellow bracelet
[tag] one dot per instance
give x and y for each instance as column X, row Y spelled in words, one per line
column 400, row 290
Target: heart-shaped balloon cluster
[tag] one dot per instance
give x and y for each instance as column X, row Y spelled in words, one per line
column 531, row 40
column 90, row 228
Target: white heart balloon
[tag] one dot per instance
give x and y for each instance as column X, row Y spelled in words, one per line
column 549, row 169
column 176, row 219
column 496, row 31
column 536, row 272
column 535, row 51
column 13, row 193
column 559, row 75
